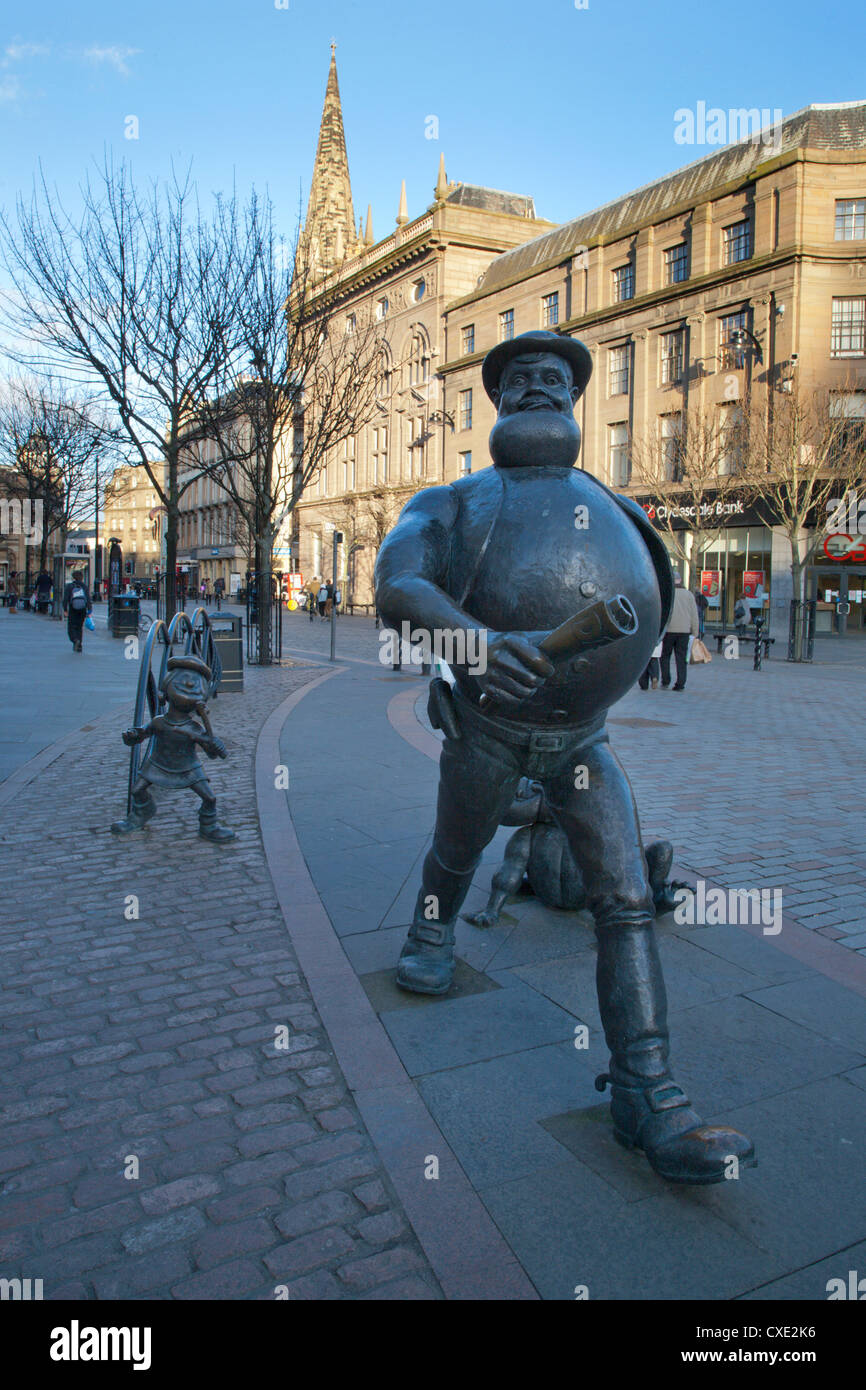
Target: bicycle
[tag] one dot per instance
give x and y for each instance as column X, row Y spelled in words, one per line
column 145, row 623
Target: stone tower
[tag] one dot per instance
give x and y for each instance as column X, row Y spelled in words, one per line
column 329, row 232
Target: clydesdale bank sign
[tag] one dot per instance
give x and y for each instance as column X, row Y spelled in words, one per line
column 734, row 509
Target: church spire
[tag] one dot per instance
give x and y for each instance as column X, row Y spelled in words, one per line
column 330, row 227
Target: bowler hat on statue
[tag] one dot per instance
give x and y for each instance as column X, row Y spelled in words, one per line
column 575, row 352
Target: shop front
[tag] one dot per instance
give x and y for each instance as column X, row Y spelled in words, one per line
column 836, row 580
column 723, row 548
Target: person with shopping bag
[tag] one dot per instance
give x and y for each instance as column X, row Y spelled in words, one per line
column 683, row 624
column 76, row 607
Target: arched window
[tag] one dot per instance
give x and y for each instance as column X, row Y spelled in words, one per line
column 385, row 373
column 418, row 359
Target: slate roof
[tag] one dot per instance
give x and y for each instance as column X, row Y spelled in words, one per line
column 829, row 127
column 472, row 195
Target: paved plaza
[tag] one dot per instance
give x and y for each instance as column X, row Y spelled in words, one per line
column 405, row 1146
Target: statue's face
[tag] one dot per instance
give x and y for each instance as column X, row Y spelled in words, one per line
column 535, row 425
column 538, row 381
column 185, row 689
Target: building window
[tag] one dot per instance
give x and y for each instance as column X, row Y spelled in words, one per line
column 465, row 403
column 672, row 356
column 351, row 325
column 419, row 362
column 848, row 337
column 671, row 434
column 851, row 219
column 849, row 409
column 469, row 338
column 379, row 455
column 618, row 370
column 385, row 379
column 550, row 310
column 623, row 283
column 738, row 242
column 617, row 454
column 676, row 264
column 415, row 442
column 732, row 354
column 731, row 438
column 381, row 307
column 349, row 464
column 465, row 462
column 506, row 326
column 419, row 289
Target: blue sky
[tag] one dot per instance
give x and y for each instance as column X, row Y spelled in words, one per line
column 574, row 106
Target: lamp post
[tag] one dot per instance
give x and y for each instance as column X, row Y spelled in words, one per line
column 338, row 538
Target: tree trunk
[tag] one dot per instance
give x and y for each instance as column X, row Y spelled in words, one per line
column 264, row 604
column 797, row 574
column 171, row 520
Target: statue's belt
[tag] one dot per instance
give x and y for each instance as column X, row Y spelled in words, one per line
column 535, row 740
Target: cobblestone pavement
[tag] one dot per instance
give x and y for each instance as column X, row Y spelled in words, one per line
column 751, row 774
column 156, row 1044
column 754, row 775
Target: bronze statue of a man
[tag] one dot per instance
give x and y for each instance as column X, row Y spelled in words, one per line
column 513, row 552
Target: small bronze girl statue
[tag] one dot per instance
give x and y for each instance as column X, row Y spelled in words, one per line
column 172, row 761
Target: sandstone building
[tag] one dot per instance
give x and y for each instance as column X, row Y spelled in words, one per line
column 660, row 284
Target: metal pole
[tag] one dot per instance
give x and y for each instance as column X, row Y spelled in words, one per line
column 97, row 558
column 338, row 536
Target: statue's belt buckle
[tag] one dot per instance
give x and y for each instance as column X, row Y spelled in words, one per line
column 540, row 741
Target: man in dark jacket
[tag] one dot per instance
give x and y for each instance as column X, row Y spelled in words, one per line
column 76, row 606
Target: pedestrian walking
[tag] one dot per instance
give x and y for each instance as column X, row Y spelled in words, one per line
column 12, row 592
column 219, row 586
column 42, row 593
column 703, row 604
column 76, row 606
column 322, row 599
column 311, row 600
column 742, row 615
column 651, row 674
column 683, row 624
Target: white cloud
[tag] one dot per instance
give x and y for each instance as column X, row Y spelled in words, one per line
column 114, row 54
column 10, row 89
column 16, row 52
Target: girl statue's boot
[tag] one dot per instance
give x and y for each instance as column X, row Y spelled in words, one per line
column 210, row 829
column 649, row 1110
column 142, row 809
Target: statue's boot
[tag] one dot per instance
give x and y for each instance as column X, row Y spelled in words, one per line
column 667, row 895
column 142, row 809
column 210, row 829
column 649, row 1110
column 426, row 964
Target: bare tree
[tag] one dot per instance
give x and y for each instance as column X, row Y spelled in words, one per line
column 52, row 439
column 303, row 384
column 691, row 467
column 802, row 461
column 137, row 294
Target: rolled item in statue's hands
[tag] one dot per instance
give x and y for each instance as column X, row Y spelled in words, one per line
column 605, row 621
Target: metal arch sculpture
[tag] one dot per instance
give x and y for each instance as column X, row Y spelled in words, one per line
column 199, row 642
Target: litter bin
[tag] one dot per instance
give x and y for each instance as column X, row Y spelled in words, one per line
column 226, row 630
column 124, row 615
